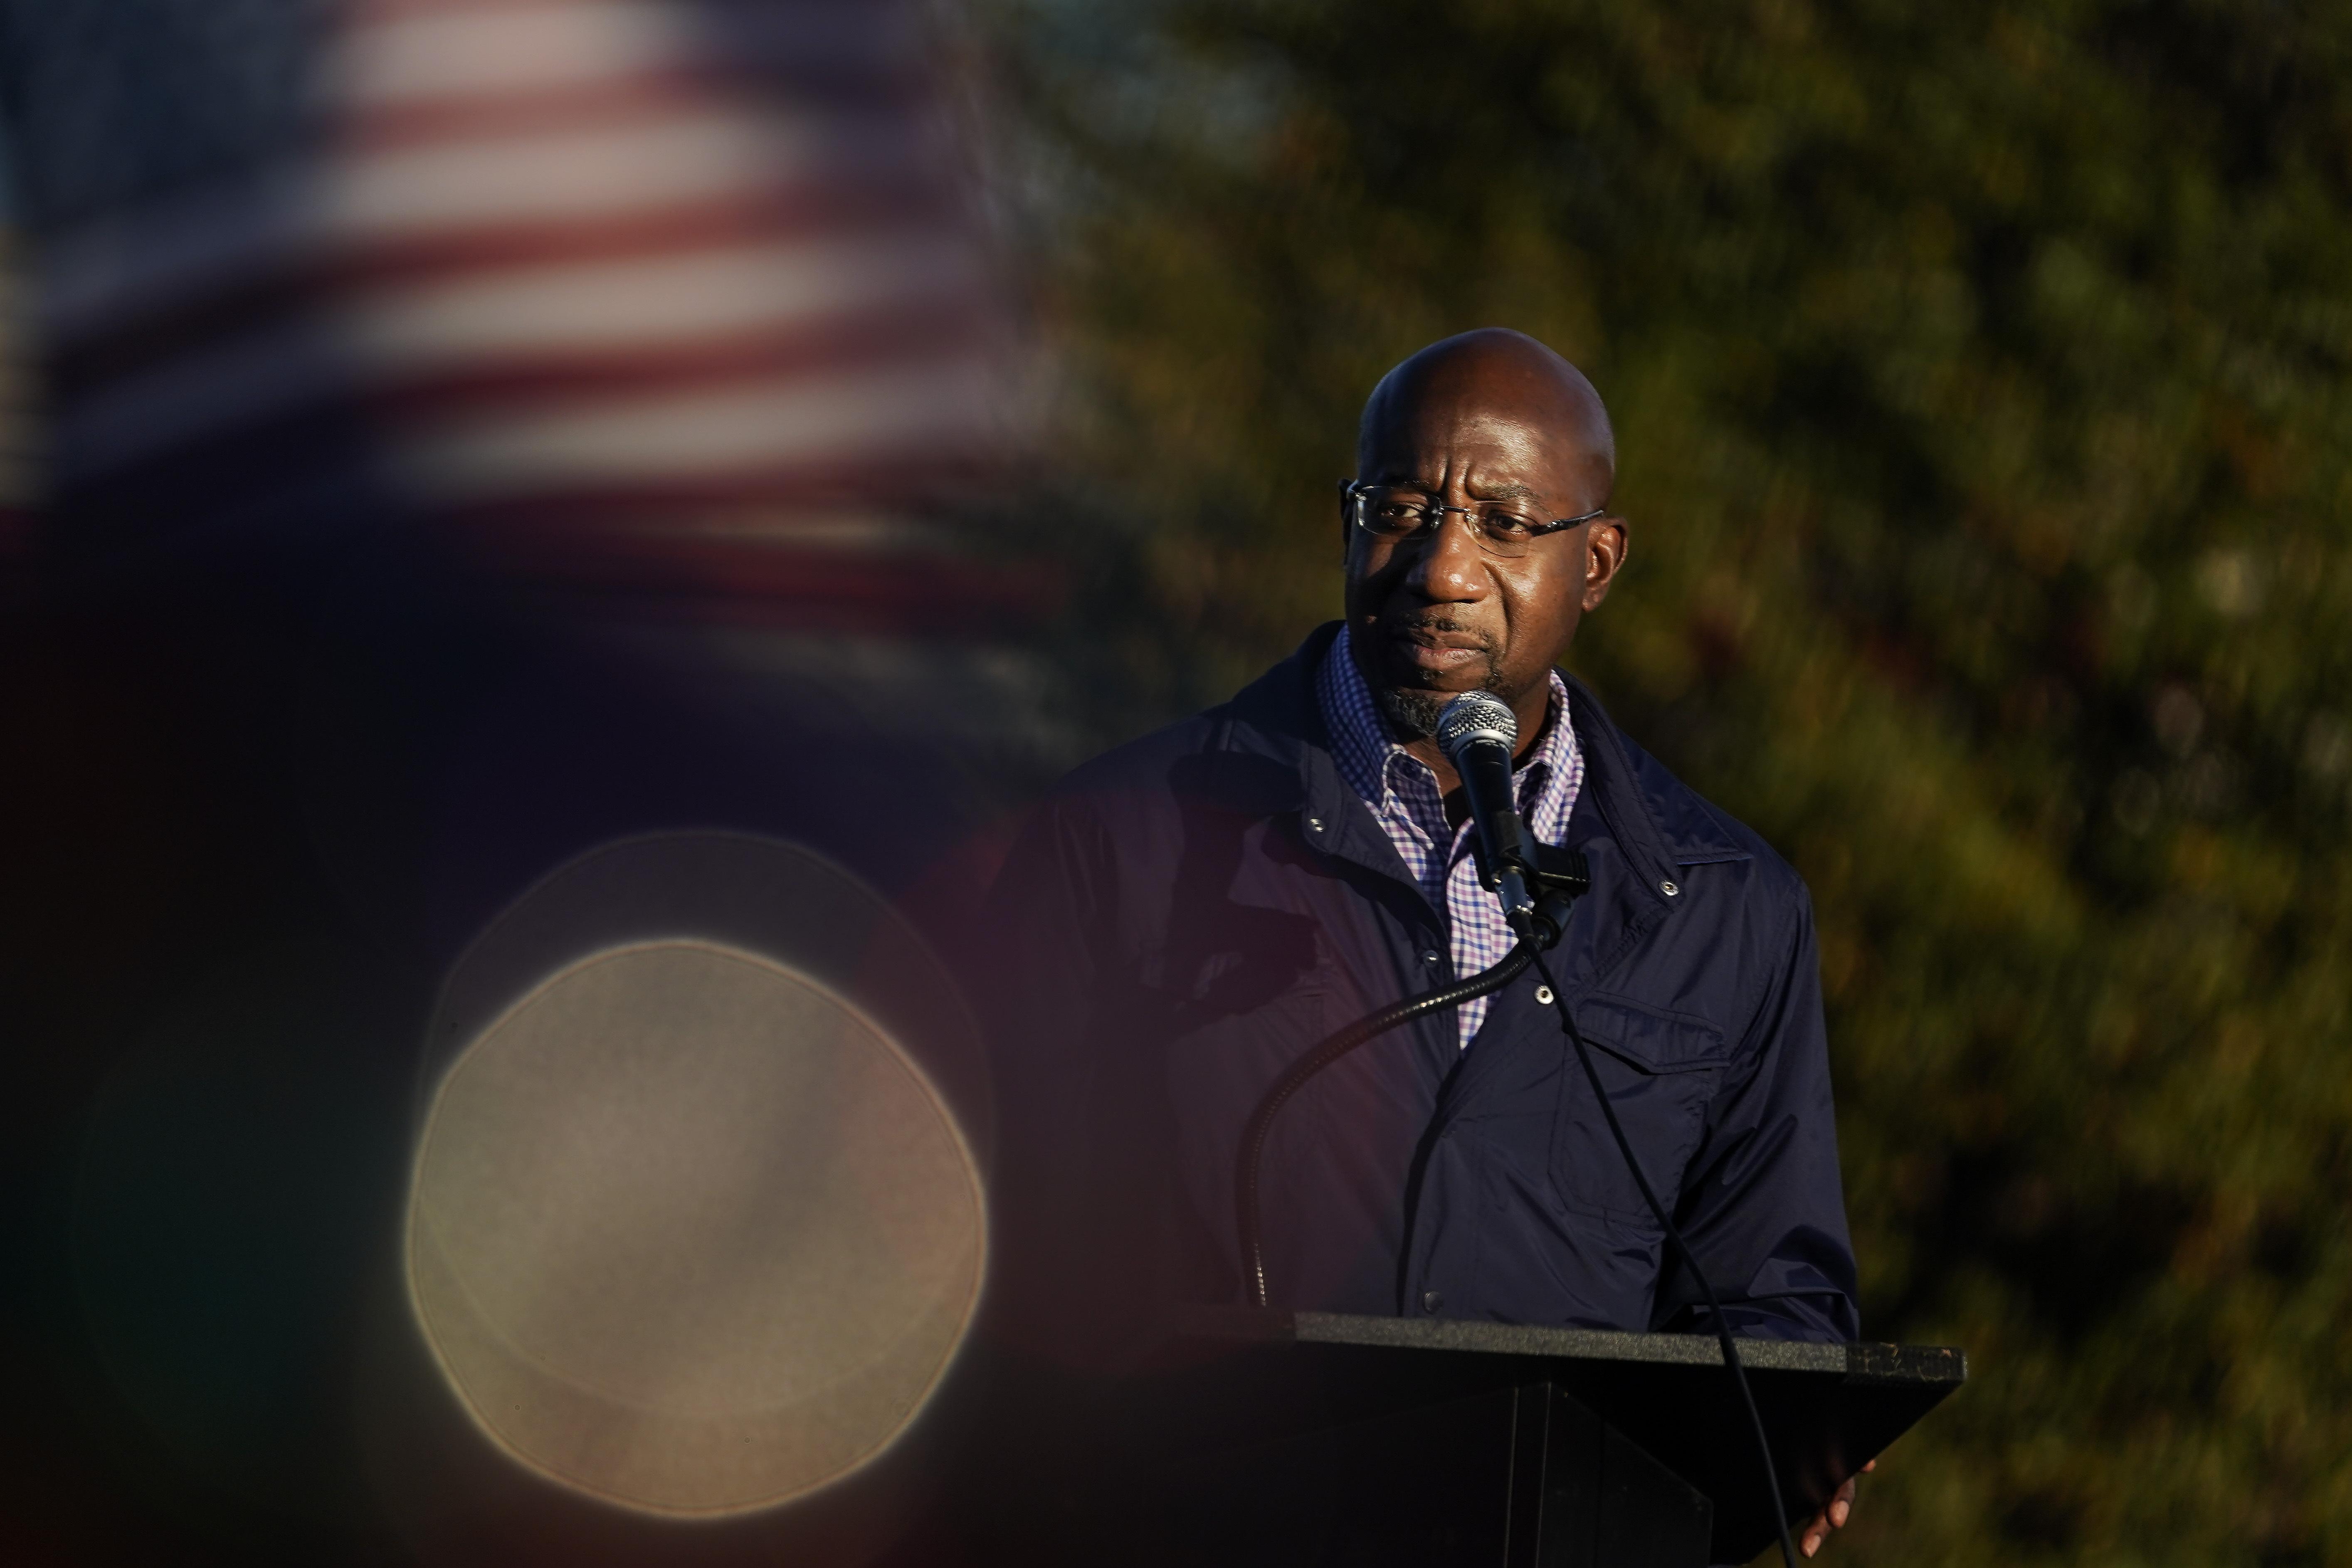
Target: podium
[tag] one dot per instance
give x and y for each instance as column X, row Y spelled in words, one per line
column 1320, row 1440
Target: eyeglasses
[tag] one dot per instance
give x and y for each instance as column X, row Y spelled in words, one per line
column 1394, row 514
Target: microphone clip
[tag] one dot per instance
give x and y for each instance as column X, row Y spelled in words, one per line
column 1557, row 880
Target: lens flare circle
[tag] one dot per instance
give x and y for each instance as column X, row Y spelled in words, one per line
column 690, row 1233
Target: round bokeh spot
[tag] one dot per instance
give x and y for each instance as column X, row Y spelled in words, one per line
column 690, row 1232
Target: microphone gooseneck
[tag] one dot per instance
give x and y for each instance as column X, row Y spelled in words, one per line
column 1479, row 732
column 1248, row 1210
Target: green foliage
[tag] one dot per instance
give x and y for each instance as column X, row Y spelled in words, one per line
column 1980, row 380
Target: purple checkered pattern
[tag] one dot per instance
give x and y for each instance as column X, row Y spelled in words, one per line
column 1402, row 794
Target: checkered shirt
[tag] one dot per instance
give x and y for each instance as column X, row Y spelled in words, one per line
column 1402, row 794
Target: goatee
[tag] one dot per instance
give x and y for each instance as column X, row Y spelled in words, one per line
column 1413, row 713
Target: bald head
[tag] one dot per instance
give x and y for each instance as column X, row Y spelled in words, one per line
column 1495, row 373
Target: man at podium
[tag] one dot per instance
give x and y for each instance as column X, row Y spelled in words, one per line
column 1190, row 912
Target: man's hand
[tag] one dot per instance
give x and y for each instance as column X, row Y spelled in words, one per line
column 1834, row 1517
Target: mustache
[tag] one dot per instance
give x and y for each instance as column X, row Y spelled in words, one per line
column 1404, row 626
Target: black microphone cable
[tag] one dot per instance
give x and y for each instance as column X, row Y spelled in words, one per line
column 1479, row 732
column 1682, row 1249
column 1248, row 1207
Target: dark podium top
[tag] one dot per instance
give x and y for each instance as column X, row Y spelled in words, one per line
column 1240, row 1375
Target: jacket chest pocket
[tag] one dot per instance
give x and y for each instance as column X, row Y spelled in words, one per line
column 1660, row 1070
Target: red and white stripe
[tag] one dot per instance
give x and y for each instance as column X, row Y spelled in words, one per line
column 620, row 286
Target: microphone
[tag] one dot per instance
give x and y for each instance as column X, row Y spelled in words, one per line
column 1477, row 732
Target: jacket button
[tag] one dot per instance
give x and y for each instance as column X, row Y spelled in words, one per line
column 1429, row 958
column 1431, row 1300
column 1668, row 888
column 1315, row 824
column 1543, row 996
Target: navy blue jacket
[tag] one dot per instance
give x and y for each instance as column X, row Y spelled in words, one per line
column 1189, row 913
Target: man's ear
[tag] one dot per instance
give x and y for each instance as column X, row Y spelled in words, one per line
column 1605, row 557
column 1345, row 486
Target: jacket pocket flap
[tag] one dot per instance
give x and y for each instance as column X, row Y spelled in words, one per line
column 1649, row 1037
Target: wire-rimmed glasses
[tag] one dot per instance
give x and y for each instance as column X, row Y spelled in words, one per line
column 1399, row 513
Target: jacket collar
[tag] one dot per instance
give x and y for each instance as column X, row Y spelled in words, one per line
column 1277, row 713
column 1658, row 823
column 1635, row 808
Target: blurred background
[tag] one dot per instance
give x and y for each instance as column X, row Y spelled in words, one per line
column 440, row 436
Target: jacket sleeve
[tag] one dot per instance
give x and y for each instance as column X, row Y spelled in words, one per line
column 1761, row 1205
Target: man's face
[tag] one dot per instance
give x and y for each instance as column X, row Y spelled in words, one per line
column 1434, row 617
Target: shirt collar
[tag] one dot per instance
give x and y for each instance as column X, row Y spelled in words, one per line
column 1368, row 752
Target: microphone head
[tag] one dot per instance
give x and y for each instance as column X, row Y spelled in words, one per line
column 1476, row 716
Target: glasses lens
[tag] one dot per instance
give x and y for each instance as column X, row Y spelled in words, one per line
column 1505, row 532
column 1392, row 514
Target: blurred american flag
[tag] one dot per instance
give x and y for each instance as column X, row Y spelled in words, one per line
column 692, row 296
